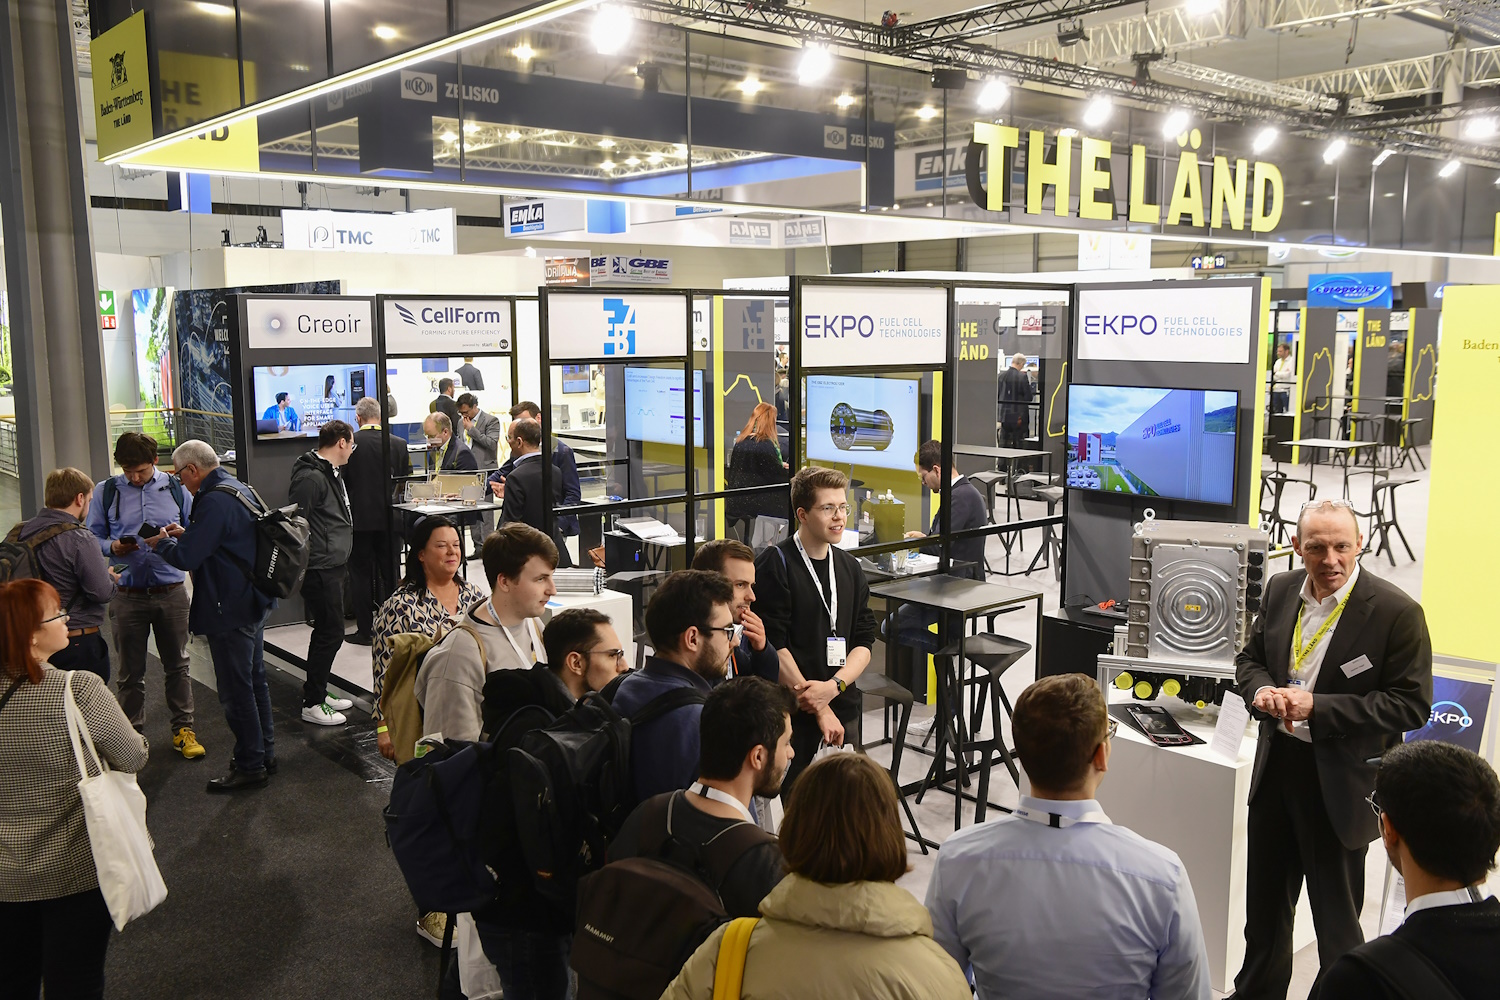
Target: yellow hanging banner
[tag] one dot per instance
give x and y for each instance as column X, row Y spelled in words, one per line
column 122, row 86
column 196, row 88
column 1463, row 545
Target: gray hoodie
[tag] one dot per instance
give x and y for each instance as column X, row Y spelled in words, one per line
column 73, row 563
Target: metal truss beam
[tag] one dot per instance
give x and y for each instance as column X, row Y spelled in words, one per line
column 1173, row 30
column 998, row 17
column 1406, row 77
column 1284, row 92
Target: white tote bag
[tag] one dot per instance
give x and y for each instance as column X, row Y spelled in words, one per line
column 114, row 809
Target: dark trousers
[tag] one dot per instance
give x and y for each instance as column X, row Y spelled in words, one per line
column 372, row 575
column 59, row 943
column 1013, row 435
column 1289, row 839
column 134, row 617
column 532, row 965
column 240, row 671
column 323, row 605
column 85, row 652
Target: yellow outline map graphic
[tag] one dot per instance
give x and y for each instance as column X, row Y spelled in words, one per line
column 745, row 378
column 1327, row 393
column 1062, row 380
column 1429, row 352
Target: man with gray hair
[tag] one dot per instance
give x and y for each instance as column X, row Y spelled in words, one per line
column 1015, row 403
column 218, row 548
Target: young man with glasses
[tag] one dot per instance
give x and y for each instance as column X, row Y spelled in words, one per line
column 693, row 635
column 1338, row 665
column 814, row 601
column 1056, row 878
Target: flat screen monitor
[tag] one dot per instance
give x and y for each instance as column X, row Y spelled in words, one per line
column 853, row 420
column 1178, row 444
column 653, row 406
column 296, row 400
column 575, row 378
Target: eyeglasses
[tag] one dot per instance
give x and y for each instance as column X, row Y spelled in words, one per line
column 49, row 621
column 1335, row 502
column 613, row 654
column 733, row 631
column 830, row 509
column 1374, row 805
column 1114, row 727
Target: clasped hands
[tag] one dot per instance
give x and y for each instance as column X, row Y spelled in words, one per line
column 1289, row 704
column 813, row 697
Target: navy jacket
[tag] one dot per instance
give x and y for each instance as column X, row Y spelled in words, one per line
column 664, row 752
column 572, row 490
column 968, row 512
column 218, row 528
column 749, row 663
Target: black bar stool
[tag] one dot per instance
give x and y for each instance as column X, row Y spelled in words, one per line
column 1409, row 454
column 897, row 700
column 1383, row 518
column 1049, row 553
column 989, row 482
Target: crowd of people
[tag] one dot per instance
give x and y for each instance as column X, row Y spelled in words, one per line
column 746, row 703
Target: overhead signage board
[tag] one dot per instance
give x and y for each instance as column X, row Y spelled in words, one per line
column 619, row 269
column 1364, row 290
column 447, row 326
column 310, row 322
column 122, row 86
column 545, row 215
column 803, row 233
column 860, row 326
column 589, row 326
column 428, row 232
column 750, row 233
column 1206, row 322
column 1114, row 252
column 568, row 271
column 194, row 88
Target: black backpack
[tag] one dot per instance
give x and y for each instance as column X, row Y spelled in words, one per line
column 572, row 782
column 1403, row 969
column 640, row 918
column 18, row 558
column 281, row 550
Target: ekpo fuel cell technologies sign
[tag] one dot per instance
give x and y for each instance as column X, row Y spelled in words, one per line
column 1200, row 323
column 863, row 326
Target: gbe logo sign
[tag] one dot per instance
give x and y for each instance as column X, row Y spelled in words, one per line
column 619, row 336
column 419, row 86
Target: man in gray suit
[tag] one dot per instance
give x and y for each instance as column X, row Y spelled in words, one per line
column 484, row 441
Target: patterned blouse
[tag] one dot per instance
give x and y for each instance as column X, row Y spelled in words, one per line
column 410, row 610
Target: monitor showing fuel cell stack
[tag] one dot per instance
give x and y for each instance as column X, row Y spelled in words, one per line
column 1177, row 444
column 855, row 420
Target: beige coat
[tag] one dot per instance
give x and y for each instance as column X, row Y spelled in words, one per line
column 861, row 941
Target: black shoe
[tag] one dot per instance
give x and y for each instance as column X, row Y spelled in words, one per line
column 360, row 639
column 271, row 765
column 236, row 779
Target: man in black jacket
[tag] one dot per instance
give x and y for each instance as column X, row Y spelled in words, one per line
column 1439, row 808
column 815, row 602
column 456, row 456
column 445, row 402
column 562, row 457
column 521, row 494
column 1337, row 667
column 1015, row 403
column 373, row 485
column 317, row 489
column 754, row 656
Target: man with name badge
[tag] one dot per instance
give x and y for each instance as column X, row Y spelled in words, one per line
column 1338, row 666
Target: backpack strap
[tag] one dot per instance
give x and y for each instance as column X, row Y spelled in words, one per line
column 1404, row 969
column 10, row 691
column 609, row 690
column 669, row 701
column 110, row 497
column 734, row 951
column 175, row 487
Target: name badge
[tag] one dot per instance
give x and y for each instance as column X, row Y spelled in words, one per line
column 1296, row 682
column 1357, row 666
column 836, row 651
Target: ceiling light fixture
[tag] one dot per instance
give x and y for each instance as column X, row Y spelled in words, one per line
column 1265, row 139
column 815, row 64
column 1334, row 150
column 385, row 32
column 607, row 165
column 896, row 208
column 632, row 161
column 512, row 135
column 1098, row 111
column 1450, row 168
column 1067, row 133
column 927, row 112
column 606, row 144
column 993, row 94
column 750, row 86
column 611, row 29
column 1305, row 202
column 523, row 52
column 1481, row 128
column 1176, row 123
column 217, row 9
column 654, row 158
column 1381, row 157
column 450, row 136
column 470, row 128
column 845, row 100
column 1197, row 8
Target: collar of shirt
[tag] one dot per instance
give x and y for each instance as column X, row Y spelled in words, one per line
column 530, row 454
column 1071, row 808
column 369, row 427
column 657, row 666
column 1332, row 600
column 957, row 479
column 1449, row 897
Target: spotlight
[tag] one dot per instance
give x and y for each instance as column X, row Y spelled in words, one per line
column 1481, row 128
column 654, row 158
column 523, row 52
column 1098, row 111
column 632, row 161
column 1381, row 157
column 512, row 135
column 1197, row 8
column 1334, row 150
column 611, row 29
column 1265, row 139
column 470, row 128
column 1450, row 168
column 750, row 86
column 845, row 100
column 815, row 64
column 449, row 136
column 606, row 144
column 1176, row 123
column 993, row 94
column 927, row 112
column 1067, row 133
column 607, row 165
column 384, row 32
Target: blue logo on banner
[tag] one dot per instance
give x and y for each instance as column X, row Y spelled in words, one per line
column 406, row 314
column 1350, row 291
column 1459, row 710
column 619, row 338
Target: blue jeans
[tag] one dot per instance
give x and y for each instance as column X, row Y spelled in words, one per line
column 240, row 671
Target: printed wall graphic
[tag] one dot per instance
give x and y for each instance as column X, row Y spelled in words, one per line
column 5, row 369
column 621, row 326
column 152, row 308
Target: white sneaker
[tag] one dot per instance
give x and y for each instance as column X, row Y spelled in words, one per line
column 322, row 715
column 338, row 704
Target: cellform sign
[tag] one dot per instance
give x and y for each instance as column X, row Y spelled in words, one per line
column 855, row 326
column 1208, row 324
column 447, row 326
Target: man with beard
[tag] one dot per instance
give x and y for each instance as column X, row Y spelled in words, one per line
column 746, row 746
column 693, row 633
column 754, row 656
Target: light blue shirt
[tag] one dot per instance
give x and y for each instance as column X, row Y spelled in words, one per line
column 133, row 506
column 1090, row 909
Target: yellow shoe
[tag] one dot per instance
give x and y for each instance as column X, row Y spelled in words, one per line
column 187, row 744
column 431, row 927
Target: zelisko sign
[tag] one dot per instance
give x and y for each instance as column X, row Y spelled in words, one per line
column 1371, row 289
column 1208, row 323
column 457, row 326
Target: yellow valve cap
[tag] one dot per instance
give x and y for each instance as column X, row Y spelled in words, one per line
column 1124, row 681
column 1201, row 704
column 1143, row 690
column 1171, row 687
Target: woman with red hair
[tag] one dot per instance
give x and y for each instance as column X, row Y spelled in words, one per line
column 54, row 924
column 756, row 461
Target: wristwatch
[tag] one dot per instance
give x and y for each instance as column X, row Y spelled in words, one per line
column 842, row 684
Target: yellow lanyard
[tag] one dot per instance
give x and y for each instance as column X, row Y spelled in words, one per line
column 1300, row 653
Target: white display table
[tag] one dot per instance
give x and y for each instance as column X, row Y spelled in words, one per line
column 617, row 606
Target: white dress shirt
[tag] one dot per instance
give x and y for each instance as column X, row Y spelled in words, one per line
column 1285, row 371
column 1085, row 909
column 1451, row 897
column 1314, row 614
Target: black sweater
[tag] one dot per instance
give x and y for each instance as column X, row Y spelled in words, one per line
column 1463, row 941
column 968, row 512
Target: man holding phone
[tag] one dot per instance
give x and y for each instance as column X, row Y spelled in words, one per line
column 151, row 596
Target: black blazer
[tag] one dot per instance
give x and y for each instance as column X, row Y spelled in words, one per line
column 1354, row 718
column 1462, row 941
column 367, row 484
column 457, row 457
column 524, row 500
column 754, row 462
column 968, row 512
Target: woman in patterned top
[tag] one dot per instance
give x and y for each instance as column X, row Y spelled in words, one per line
column 54, row 924
column 430, row 597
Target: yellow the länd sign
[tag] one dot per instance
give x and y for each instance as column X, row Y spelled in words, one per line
column 195, row 88
column 1232, row 186
column 122, row 86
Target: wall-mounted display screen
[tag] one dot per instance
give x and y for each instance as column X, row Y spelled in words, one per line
column 576, row 378
column 653, row 406
column 1178, row 444
column 296, row 400
column 855, row 420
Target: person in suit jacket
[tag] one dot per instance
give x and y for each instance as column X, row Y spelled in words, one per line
column 456, row 456
column 484, row 441
column 1439, row 807
column 1337, row 667
column 375, row 476
column 444, row 403
column 521, row 496
column 798, row 583
column 562, row 457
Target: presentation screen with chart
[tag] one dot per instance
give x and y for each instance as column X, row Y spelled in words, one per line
column 653, row 406
column 862, row 421
column 1178, row 444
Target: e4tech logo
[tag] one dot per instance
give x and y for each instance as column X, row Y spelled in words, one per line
column 619, row 336
column 418, row 86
